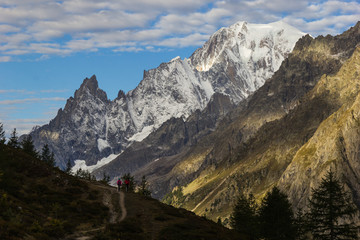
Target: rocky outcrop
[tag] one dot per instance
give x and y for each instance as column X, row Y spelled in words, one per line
column 74, row 132
column 300, row 123
column 335, row 144
column 154, row 152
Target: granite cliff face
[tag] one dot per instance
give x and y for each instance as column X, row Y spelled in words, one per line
column 234, row 62
column 335, row 144
column 76, row 130
column 301, row 122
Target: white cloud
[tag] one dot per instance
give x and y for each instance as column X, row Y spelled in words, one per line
column 23, row 126
column 27, row 92
column 5, row 58
column 48, row 27
column 54, row 90
column 94, row 22
column 129, row 49
column 21, row 91
column 4, row 28
column 30, row 100
column 190, row 40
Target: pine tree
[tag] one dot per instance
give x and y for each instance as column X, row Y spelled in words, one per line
column 68, row 167
column 244, row 218
column 14, row 140
column 84, row 174
column 331, row 211
column 276, row 218
column 2, row 135
column 144, row 187
column 105, row 179
column 28, row 146
column 301, row 225
column 219, row 221
column 47, row 156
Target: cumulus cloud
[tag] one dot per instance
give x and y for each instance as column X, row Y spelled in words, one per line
column 68, row 26
column 190, row 40
column 4, row 28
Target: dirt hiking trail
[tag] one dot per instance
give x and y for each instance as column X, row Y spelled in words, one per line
column 109, row 193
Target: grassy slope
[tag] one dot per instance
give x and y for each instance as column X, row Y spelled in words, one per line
column 40, row 202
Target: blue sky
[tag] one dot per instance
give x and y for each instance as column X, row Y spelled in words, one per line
column 48, row 47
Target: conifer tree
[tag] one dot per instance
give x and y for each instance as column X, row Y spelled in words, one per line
column 276, row 218
column 2, row 135
column 105, row 179
column 331, row 211
column 244, row 218
column 144, row 187
column 47, row 156
column 28, row 146
column 301, row 225
column 219, row 221
column 14, row 140
column 68, row 167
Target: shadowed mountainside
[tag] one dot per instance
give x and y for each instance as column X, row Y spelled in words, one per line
column 41, row 202
column 260, row 144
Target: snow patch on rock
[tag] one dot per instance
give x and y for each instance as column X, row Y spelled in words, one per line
column 102, row 144
column 81, row 164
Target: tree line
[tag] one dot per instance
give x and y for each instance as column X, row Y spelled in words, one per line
column 27, row 145
column 330, row 215
column 47, row 156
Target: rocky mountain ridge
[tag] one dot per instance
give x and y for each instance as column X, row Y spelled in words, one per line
column 301, row 123
column 238, row 60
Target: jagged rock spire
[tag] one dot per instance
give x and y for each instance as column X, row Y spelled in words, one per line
column 90, row 85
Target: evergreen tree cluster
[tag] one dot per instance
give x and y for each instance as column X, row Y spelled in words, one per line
column 330, row 216
column 331, row 211
column 143, row 188
column 46, row 155
column 84, row 174
column 273, row 219
column 27, row 145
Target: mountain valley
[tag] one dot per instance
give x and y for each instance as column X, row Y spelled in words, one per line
column 226, row 121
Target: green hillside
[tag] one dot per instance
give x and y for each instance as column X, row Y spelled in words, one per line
column 41, row 202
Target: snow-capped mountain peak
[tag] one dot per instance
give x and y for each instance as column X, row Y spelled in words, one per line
column 247, row 42
column 235, row 62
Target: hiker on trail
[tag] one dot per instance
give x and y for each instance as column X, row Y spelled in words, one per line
column 127, row 183
column 119, row 182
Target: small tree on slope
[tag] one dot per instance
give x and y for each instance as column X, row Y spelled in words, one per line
column 244, row 218
column 2, row 134
column 28, row 146
column 276, row 217
column 68, row 167
column 143, row 188
column 331, row 211
column 47, row 156
column 13, row 141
